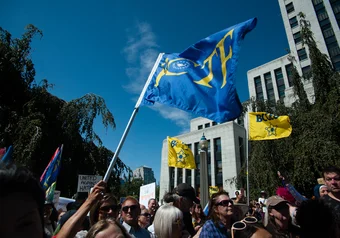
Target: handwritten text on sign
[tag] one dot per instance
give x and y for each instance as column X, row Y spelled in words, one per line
column 86, row 182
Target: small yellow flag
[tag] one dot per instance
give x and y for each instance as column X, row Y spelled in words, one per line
column 266, row 126
column 180, row 155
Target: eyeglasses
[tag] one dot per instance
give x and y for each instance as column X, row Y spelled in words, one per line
column 146, row 214
column 225, row 203
column 108, row 208
column 241, row 225
column 132, row 208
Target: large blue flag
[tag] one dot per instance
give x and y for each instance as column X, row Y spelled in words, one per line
column 201, row 78
column 52, row 170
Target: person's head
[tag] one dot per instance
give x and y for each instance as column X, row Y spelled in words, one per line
column 153, row 206
column 197, row 211
column 106, row 208
column 277, row 213
column 320, row 190
column 315, row 219
column 331, row 175
column 107, row 228
column 263, row 194
column 130, row 211
column 182, row 197
column 22, row 203
column 168, row 222
column 144, row 218
column 220, row 207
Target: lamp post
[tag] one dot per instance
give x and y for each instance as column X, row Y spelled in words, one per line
column 204, row 192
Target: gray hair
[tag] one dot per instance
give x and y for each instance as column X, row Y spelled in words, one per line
column 165, row 219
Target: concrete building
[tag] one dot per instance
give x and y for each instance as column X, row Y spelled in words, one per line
column 144, row 173
column 272, row 81
column 226, row 155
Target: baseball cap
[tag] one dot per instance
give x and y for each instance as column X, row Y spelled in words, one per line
column 185, row 190
column 274, row 200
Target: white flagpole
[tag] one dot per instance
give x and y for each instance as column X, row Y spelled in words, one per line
column 247, row 160
column 121, row 142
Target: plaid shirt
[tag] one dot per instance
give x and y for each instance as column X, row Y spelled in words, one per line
column 210, row 230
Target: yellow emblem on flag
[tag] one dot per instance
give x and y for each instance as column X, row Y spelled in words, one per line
column 266, row 126
column 180, row 155
column 212, row 190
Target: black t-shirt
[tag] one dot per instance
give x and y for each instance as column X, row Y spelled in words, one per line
column 335, row 207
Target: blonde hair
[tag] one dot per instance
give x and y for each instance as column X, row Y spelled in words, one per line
column 165, row 219
column 103, row 225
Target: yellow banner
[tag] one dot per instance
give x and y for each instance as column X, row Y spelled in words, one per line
column 180, row 155
column 266, row 126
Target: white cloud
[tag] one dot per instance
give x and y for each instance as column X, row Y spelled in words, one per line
column 141, row 52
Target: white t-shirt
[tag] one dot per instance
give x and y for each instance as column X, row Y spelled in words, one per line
column 264, row 201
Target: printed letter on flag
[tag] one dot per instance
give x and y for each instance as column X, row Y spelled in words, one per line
column 266, row 126
column 201, row 78
column 180, row 155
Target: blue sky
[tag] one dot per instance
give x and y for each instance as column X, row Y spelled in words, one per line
column 109, row 47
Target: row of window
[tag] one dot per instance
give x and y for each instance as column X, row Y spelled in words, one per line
column 206, row 125
column 279, row 82
column 218, row 166
column 327, row 29
column 269, row 85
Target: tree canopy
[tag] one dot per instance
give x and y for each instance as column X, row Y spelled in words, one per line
column 36, row 122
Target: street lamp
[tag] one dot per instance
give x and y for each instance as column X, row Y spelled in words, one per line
column 204, row 192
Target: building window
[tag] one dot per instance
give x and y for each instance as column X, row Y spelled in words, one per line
column 316, row 2
column 214, row 123
column 172, row 177
column 322, row 15
column 306, row 73
column 207, row 125
column 179, row 175
column 302, row 54
column 188, row 171
column 200, row 127
column 197, row 160
column 280, row 82
column 289, row 71
column 336, row 9
column 258, row 88
column 218, row 162
column 290, row 7
column 297, row 37
column 293, row 22
column 328, row 31
column 269, row 86
column 334, row 50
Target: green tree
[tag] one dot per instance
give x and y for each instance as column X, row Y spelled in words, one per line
column 36, row 122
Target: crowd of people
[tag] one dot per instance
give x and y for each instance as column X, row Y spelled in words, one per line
column 25, row 213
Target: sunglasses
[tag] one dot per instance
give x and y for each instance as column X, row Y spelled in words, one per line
column 225, row 203
column 146, row 214
column 132, row 208
column 108, row 208
column 241, row 225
